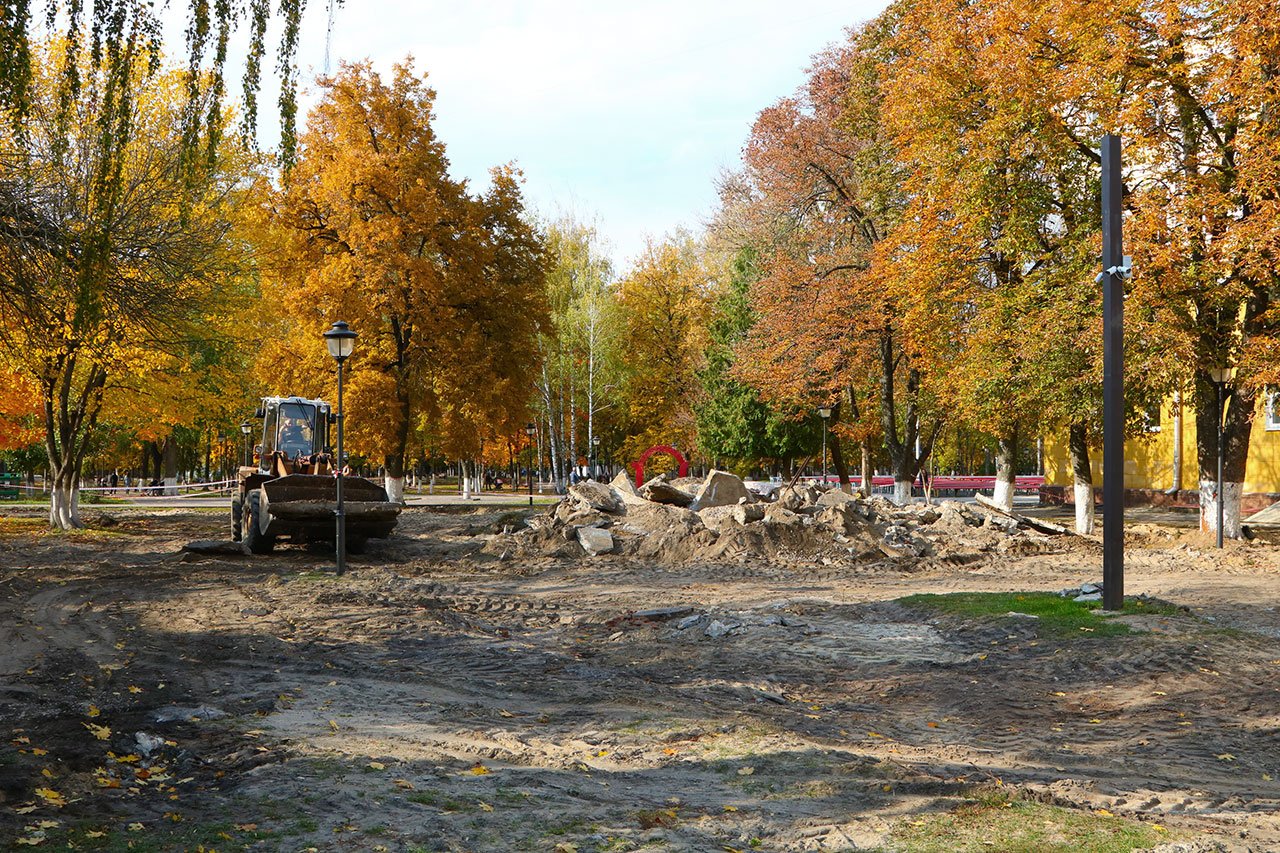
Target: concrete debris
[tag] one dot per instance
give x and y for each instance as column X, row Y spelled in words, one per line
column 718, row 629
column 719, row 520
column 660, row 491
column 595, row 540
column 658, row 614
column 722, row 489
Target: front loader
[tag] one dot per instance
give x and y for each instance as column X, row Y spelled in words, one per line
column 292, row 492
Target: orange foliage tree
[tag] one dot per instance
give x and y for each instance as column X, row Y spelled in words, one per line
column 444, row 288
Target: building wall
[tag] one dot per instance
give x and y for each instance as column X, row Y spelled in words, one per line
column 1148, row 460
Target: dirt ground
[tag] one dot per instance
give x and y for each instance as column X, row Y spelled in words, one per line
column 441, row 698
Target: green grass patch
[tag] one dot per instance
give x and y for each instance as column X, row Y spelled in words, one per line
column 1057, row 615
column 151, row 837
column 1017, row 826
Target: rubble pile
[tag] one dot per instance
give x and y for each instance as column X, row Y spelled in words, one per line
column 720, row 518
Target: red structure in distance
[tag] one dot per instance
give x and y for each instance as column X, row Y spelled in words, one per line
column 638, row 465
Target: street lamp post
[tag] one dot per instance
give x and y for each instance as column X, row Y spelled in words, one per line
column 530, row 430
column 1220, row 376
column 341, row 341
column 824, row 412
column 245, row 429
column 595, row 455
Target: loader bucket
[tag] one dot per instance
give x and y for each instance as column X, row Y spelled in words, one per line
column 302, row 506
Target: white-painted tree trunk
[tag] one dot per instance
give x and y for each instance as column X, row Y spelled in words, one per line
column 1231, row 493
column 395, row 489
column 1003, row 494
column 64, row 504
column 466, row 482
column 902, row 492
column 1084, row 508
column 1176, row 485
column 171, row 485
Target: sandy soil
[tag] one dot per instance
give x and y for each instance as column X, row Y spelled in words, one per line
column 441, row 698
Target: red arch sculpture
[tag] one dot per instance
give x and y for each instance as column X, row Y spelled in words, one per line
column 638, row 465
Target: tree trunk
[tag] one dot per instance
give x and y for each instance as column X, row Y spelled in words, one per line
column 171, row 465
column 868, row 484
column 837, row 454
column 64, row 499
column 1176, row 485
column 1237, row 424
column 1078, row 447
column 1006, row 468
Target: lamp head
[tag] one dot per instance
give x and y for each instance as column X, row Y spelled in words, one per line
column 824, row 412
column 530, row 430
column 245, row 427
column 340, row 340
column 1221, row 375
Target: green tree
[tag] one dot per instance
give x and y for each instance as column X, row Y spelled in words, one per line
column 733, row 422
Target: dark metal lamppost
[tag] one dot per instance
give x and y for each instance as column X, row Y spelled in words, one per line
column 1220, row 376
column 595, row 455
column 530, row 430
column 245, row 429
column 341, row 341
column 824, row 412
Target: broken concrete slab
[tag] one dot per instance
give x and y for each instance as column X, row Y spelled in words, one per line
column 660, row 491
column 596, row 496
column 595, row 541
column 722, row 489
column 218, row 547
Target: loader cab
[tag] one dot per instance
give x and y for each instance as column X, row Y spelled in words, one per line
column 294, row 425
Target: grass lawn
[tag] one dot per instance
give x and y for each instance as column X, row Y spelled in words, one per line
column 1056, row 615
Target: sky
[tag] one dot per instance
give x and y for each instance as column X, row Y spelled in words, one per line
column 624, row 113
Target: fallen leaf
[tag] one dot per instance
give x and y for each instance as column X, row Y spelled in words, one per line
column 1158, row 828
column 25, row 809
column 95, row 833
column 1226, row 756
column 566, row 847
column 100, row 732
column 333, row 726
column 932, row 725
column 746, row 771
column 484, row 807
column 38, row 751
column 1160, row 693
column 602, row 753
column 505, row 713
column 135, row 827
column 376, row 765
column 731, row 808
column 92, row 712
column 32, row 840
column 134, row 689
column 479, row 769
column 46, row 773
column 48, row 824
column 404, row 783
column 1266, row 777
column 51, row 797
column 1105, row 813
column 246, row 827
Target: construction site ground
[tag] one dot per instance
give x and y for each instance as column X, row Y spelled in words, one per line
column 441, row 697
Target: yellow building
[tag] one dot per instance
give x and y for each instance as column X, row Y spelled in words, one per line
column 1149, row 460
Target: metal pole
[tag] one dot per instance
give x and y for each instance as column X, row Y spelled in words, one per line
column 824, row 451
column 340, row 545
column 530, row 475
column 1112, row 378
column 1221, row 412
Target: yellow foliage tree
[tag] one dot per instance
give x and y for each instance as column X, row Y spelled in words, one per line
column 444, row 288
column 112, row 243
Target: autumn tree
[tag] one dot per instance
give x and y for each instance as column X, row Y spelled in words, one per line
column 444, row 288
column 663, row 303
column 819, row 192
column 733, row 421
column 111, row 242
column 580, row 350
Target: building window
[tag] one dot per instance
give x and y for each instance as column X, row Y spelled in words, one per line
column 1273, row 411
column 1151, row 417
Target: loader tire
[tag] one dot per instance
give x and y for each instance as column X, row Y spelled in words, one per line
column 254, row 539
column 235, row 518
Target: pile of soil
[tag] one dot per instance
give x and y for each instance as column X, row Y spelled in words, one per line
column 720, row 519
